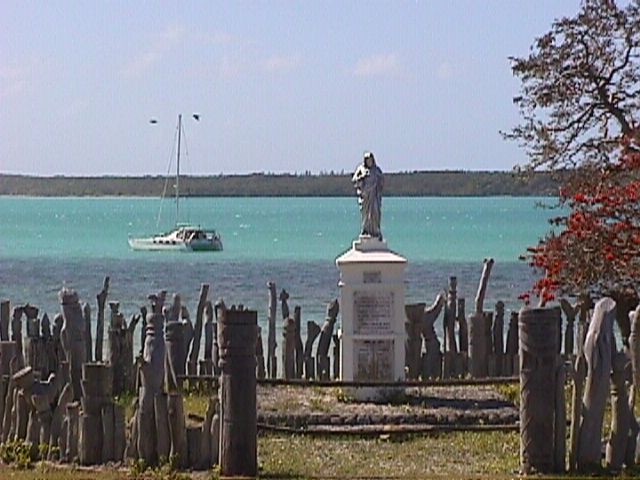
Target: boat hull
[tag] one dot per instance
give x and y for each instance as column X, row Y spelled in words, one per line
column 177, row 242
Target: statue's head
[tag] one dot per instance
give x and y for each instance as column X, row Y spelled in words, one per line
column 369, row 160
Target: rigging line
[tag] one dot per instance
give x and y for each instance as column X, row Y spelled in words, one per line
column 167, row 178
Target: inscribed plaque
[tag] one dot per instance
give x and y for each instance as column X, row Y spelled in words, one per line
column 373, row 360
column 373, row 312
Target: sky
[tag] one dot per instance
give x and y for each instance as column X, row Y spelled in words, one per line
column 280, row 86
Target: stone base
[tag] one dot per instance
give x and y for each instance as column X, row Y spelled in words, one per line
column 366, row 243
column 374, row 394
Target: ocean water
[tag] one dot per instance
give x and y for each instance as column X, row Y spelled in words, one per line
column 48, row 243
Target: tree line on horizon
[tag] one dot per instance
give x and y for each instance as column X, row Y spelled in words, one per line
column 404, row 184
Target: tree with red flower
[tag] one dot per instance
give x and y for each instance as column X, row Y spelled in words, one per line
column 580, row 105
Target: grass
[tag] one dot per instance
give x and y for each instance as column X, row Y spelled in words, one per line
column 456, row 455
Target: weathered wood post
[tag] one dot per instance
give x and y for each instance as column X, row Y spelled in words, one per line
column 598, row 354
column 478, row 327
column 634, row 356
column 495, row 360
column 463, row 329
column 192, row 365
column 16, row 334
column 322, row 352
column 288, row 348
column 313, row 330
column 238, row 446
column 72, row 336
column 33, row 345
column 542, row 415
column 413, row 341
column 634, row 347
column 206, row 365
column 570, row 313
column 288, row 338
column 151, row 380
column 449, row 320
column 86, row 314
column 97, row 389
column 116, row 335
column 175, row 367
column 621, row 415
column 260, row 370
column 7, row 353
column 297, row 314
column 432, row 358
column 102, row 301
column 511, row 363
column 272, row 360
column 5, row 312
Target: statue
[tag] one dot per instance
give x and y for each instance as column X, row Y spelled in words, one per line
column 368, row 182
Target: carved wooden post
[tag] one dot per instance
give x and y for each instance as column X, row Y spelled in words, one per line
column 413, row 342
column 9, row 400
column 272, row 361
column 497, row 337
column 102, row 300
column 72, row 431
column 197, row 331
column 449, row 320
column 177, row 428
column 336, row 356
column 238, row 449
column 86, row 314
column 72, row 336
column 5, row 311
column 509, row 366
column 16, row 334
column 322, row 352
column 432, row 360
column 542, row 418
column 206, row 365
column 313, row 330
column 620, row 415
column 478, row 348
column 57, row 422
column 634, row 348
column 7, row 354
column 117, row 334
column 215, row 359
column 260, row 370
column 97, row 389
column 151, row 379
column 176, row 354
column 570, row 312
column 31, row 347
column 463, row 329
column 597, row 351
column 288, row 348
column 298, row 342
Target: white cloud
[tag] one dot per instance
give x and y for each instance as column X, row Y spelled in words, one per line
column 377, row 65
column 277, row 63
column 154, row 54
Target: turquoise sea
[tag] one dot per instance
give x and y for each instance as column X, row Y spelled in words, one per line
column 47, row 243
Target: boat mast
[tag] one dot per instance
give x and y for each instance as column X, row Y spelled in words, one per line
column 178, row 171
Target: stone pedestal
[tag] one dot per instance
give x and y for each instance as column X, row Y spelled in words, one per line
column 372, row 297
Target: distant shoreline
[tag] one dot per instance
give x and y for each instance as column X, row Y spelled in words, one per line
column 405, row 184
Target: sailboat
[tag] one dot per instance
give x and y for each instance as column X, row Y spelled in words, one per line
column 184, row 237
